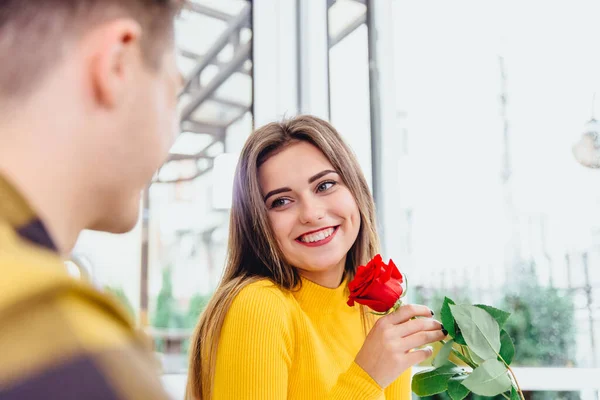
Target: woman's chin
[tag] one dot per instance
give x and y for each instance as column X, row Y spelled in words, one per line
column 323, row 266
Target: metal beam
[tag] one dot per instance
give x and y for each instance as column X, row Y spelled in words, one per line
column 234, row 25
column 201, row 154
column 208, row 11
column 198, row 174
column 330, row 3
column 189, row 54
column 238, row 60
column 239, row 116
column 226, row 102
column 230, row 103
column 351, row 27
column 198, row 57
column 181, row 156
column 200, row 127
column 144, row 262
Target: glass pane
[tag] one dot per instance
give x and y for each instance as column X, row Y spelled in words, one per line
column 491, row 97
column 349, row 77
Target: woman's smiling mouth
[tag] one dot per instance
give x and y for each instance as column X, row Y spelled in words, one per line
column 319, row 237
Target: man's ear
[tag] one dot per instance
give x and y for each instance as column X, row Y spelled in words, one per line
column 115, row 56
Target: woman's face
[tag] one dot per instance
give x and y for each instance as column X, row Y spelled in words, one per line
column 312, row 213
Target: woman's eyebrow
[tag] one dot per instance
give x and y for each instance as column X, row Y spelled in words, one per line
column 277, row 191
column 320, row 175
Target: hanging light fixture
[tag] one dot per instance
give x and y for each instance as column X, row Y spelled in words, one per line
column 587, row 148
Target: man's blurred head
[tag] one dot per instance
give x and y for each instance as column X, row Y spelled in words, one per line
column 97, row 83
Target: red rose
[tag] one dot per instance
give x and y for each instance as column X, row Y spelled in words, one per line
column 376, row 285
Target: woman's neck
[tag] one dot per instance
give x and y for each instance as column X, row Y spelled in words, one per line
column 329, row 278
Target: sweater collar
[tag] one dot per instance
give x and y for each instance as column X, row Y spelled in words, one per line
column 15, row 210
column 313, row 297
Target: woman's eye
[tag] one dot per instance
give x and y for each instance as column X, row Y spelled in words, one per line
column 325, row 186
column 279, row 203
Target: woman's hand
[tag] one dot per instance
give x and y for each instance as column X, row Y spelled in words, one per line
column 390, row 347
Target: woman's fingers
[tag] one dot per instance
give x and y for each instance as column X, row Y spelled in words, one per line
column 391, row 347
column 417, row 325
column 407, row 312
column 418, row 356
column 421, row 339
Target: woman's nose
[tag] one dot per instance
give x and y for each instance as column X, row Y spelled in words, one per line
column 311, row 211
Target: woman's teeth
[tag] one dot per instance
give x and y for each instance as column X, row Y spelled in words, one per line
column 317, row 236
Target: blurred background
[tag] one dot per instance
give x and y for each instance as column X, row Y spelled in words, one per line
column 474, row 122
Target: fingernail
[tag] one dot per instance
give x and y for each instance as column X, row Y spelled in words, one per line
column 444, row 331
column 432, row 313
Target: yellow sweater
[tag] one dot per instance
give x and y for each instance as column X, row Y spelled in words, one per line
column 301, row 345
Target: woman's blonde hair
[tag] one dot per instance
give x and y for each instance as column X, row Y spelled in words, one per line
column 253, row 252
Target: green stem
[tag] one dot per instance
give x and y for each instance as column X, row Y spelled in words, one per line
column 516, row 382
column 461, row 357
column 514, row 377
column 467, row 354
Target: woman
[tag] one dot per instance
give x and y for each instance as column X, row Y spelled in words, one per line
column 278, row 326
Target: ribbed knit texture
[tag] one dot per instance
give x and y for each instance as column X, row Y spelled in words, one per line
column 299, row 345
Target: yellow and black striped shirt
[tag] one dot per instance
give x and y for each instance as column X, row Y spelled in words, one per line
column 59, row 337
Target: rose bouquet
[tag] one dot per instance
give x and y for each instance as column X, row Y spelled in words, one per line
column 475, row 333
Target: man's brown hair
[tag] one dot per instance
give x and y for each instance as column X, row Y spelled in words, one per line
column 34, row 33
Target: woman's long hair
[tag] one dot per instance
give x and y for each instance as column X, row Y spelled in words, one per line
column 253, row 252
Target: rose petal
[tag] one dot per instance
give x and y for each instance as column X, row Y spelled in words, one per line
column 374, row 305
column 381, row 293
column 359, row 278
column 387, row 274
column 395, row 287
column 361, row 287
column 395, row 272
column 364, row 289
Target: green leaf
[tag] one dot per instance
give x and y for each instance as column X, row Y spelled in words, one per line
column 456, row 390
column 500, row 316
column 507, row 348
column 514, row 395
column 489, row 379
column 449, row 322
column 474, row 357
column 442, row 356
column 434, row 381
column 480, row 330
column 459, row 339
column 447, row 318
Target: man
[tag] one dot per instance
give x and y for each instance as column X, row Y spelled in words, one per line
column 87, row 114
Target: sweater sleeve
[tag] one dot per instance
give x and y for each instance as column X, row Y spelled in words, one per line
column 254, row 351
column 400, row 389
column 355, row 384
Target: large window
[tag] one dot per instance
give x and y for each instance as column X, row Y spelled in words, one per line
column 490, row 100
column 489, row 203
